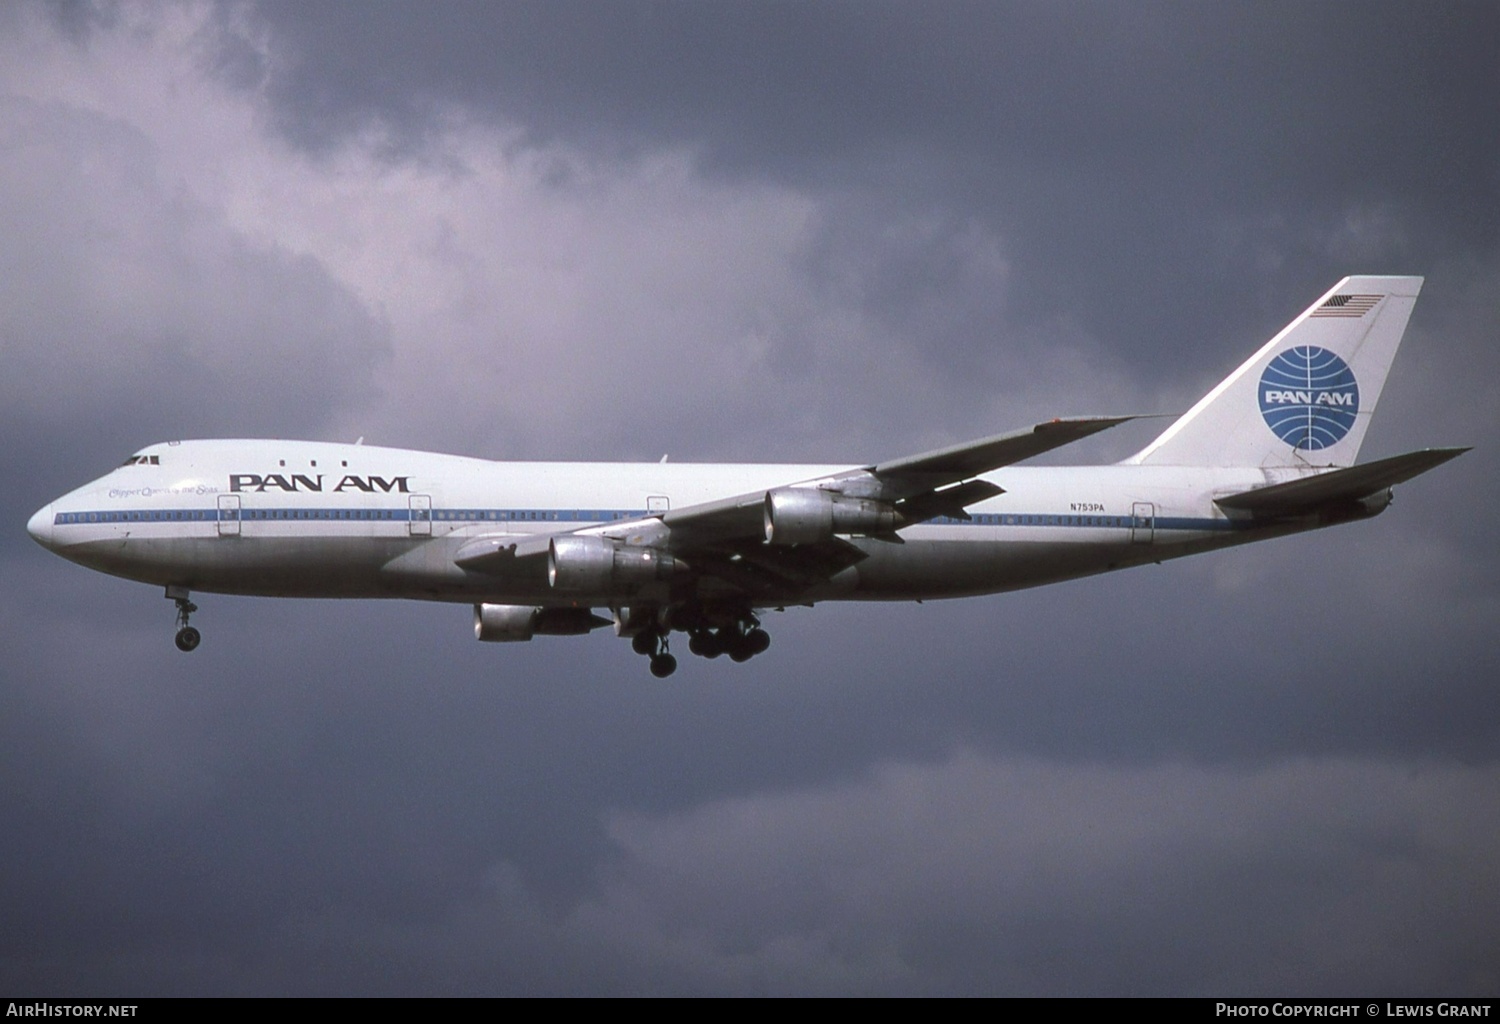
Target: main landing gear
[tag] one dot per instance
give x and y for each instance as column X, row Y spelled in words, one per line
column 711, row 632
column 653, row 644
column 741, row 640
column 187, row 637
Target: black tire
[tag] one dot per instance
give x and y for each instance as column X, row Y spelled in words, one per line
column 663, row 665
column 757, row 641
column 643, row 642
column 716, row 644
column 188, row 639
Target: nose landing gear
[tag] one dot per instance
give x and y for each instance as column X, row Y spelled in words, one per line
column 187, row 638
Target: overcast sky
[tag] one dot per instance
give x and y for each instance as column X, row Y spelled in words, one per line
column 773, row 230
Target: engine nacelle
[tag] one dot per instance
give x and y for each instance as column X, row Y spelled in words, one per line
column 599, row 565
column 503, row 623
column 496, row 623
column 804, row 515
column 636, row 619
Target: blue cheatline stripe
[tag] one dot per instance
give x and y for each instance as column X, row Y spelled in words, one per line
column 344, row 515
column 471, row 516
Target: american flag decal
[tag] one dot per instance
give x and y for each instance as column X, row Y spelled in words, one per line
column 1348, row 305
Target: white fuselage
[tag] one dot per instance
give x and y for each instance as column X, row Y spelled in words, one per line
column 309, row 519
column 539, row 547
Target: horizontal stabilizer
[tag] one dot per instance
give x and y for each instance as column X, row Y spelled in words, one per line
column 1339, row 486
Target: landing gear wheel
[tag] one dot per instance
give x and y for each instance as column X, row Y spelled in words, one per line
column 663, row 665
column 706, row 644
column 644, row 642
column 187, row 638
column 741, row 639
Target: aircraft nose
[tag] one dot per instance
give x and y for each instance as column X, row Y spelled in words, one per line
column 40, row 527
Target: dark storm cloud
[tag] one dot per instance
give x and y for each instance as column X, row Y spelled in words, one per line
column 1270, row 770
column 131, row 313
column 788, row 85
column 1096, row 138
column 121, row 292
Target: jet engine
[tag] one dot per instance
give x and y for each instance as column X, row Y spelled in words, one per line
column 499, row 623
column 803, row 515
column 599, row 565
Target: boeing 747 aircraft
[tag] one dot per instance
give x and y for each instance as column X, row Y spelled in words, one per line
column 540, row 548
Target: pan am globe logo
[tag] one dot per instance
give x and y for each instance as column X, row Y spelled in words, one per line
column 1309, row 397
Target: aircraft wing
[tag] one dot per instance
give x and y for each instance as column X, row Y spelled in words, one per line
column 1341, row 486
column 917, row 485
column 754, row 567
column 494, row 549
column 728, row 537
column 930, row 470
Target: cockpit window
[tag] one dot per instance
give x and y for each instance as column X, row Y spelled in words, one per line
column 142, row 460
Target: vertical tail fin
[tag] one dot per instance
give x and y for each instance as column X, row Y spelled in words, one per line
column 1307, row 396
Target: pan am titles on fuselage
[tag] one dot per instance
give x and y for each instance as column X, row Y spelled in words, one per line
column 657, row 548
